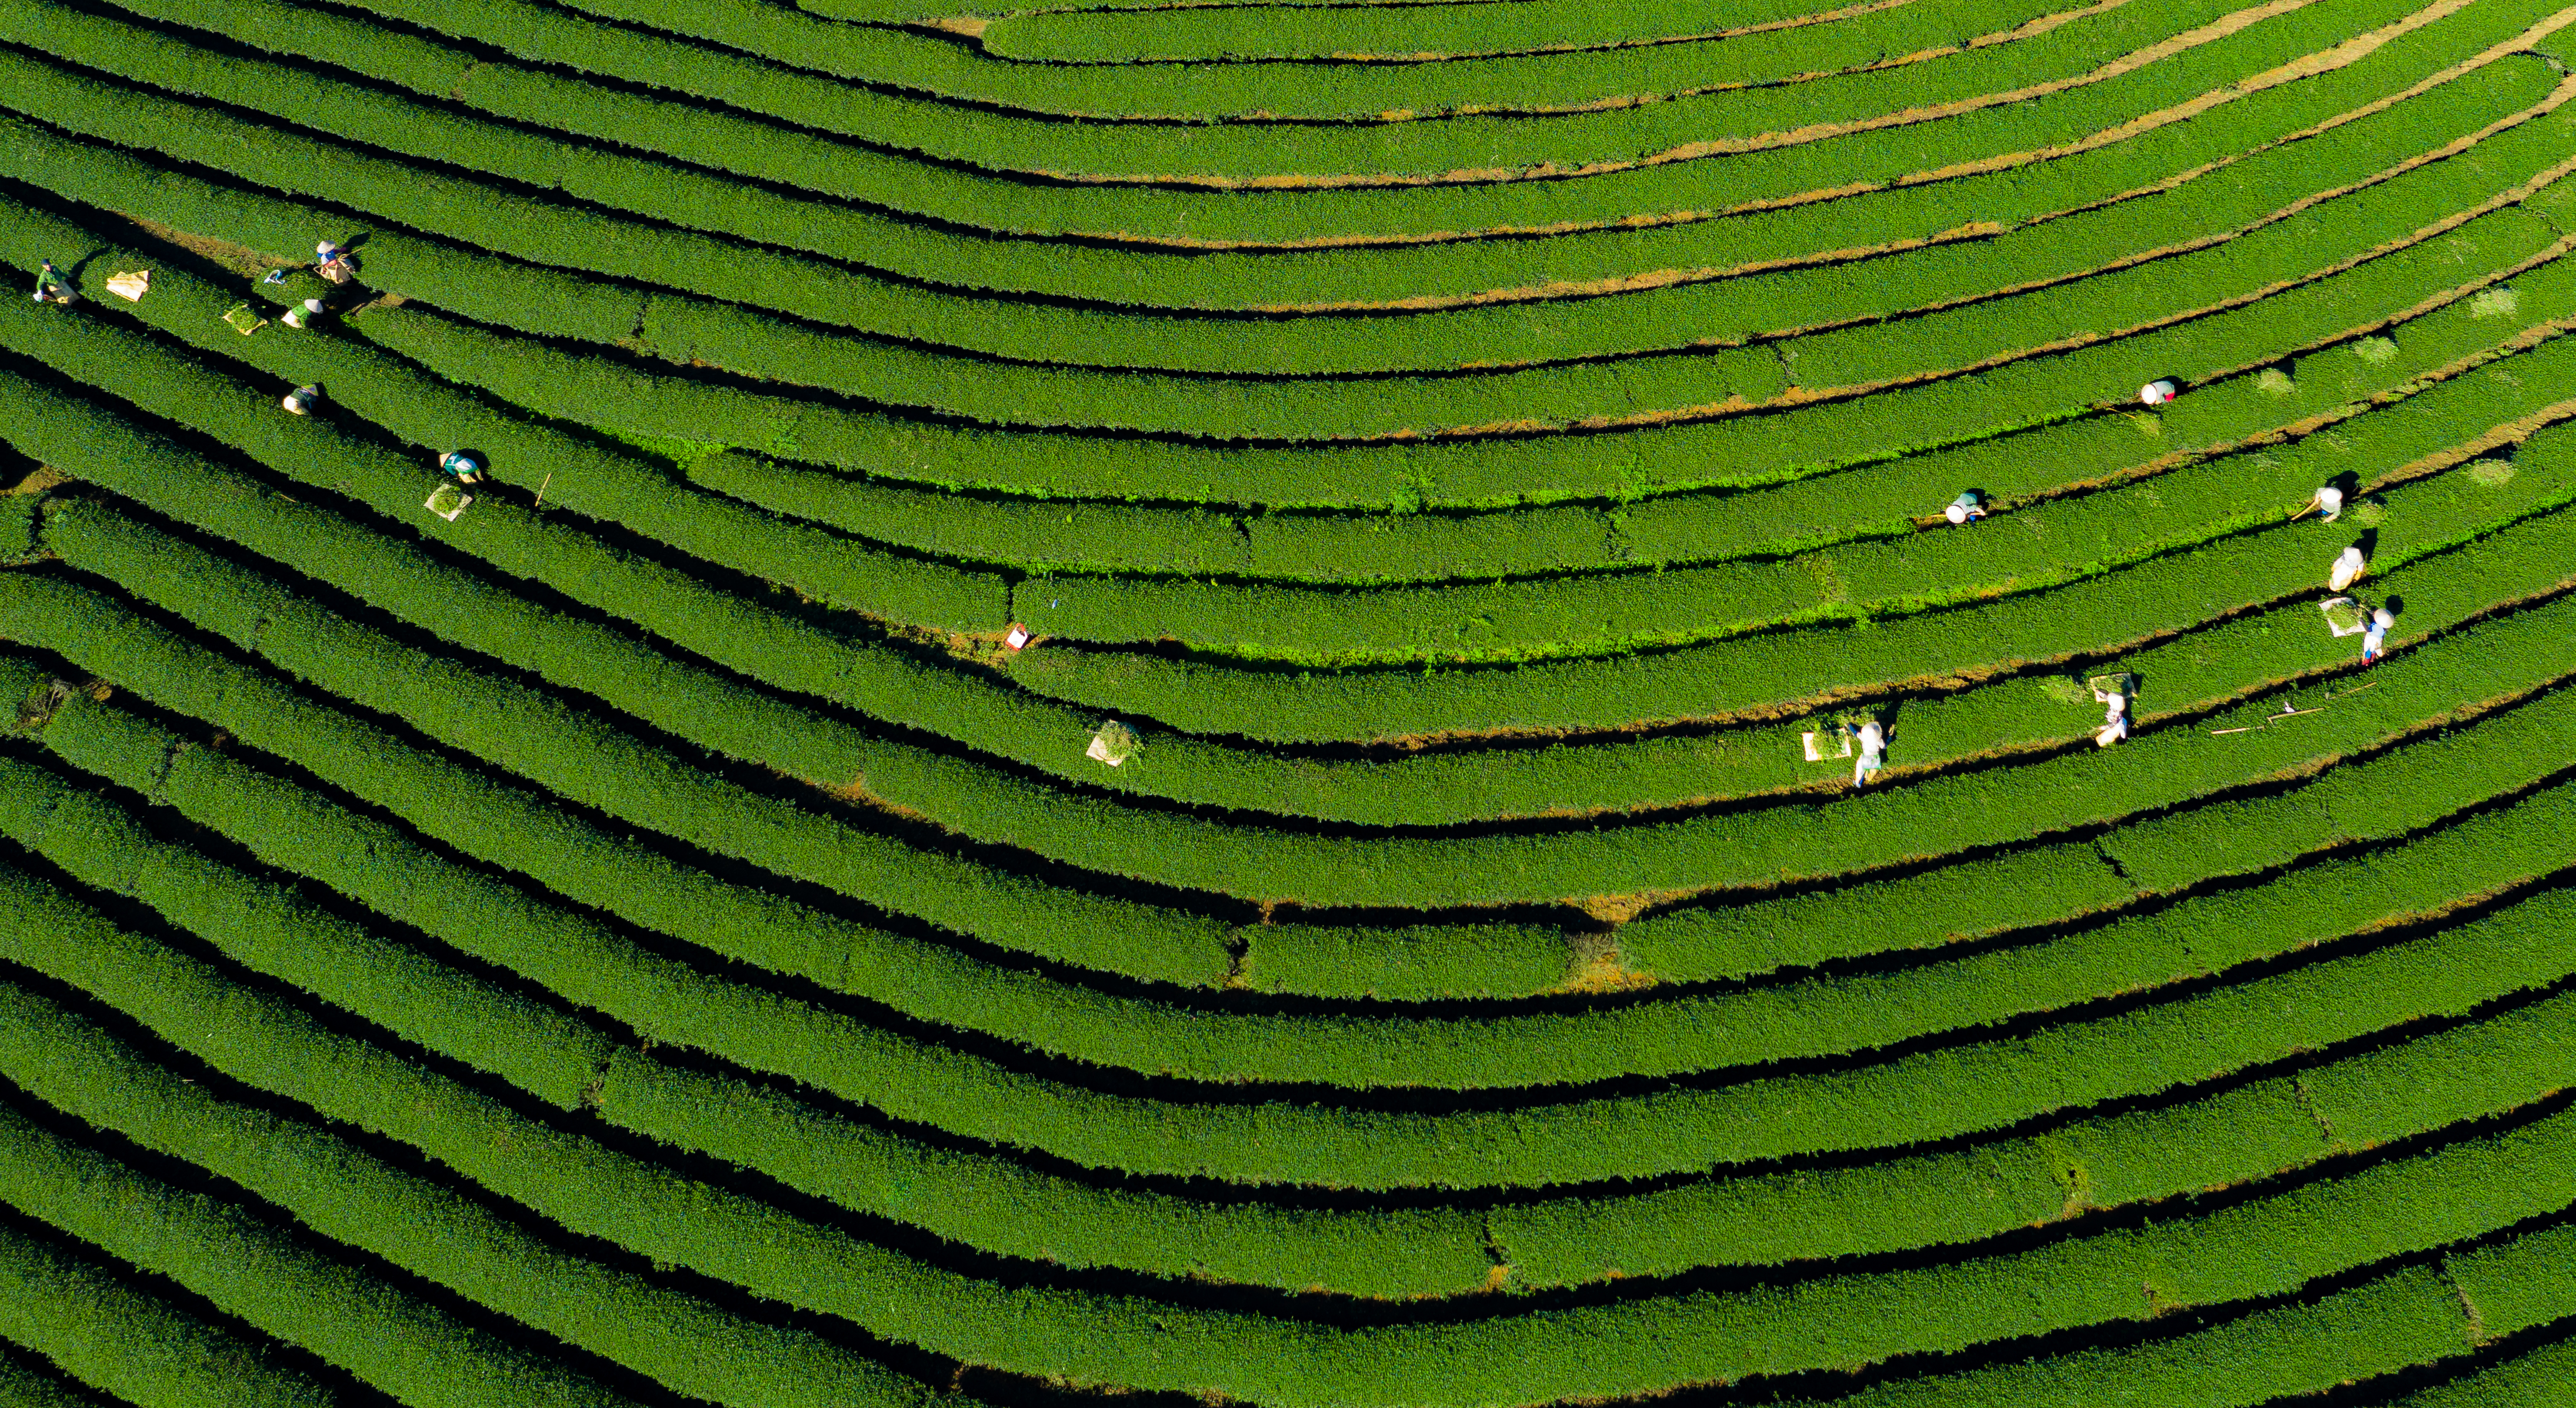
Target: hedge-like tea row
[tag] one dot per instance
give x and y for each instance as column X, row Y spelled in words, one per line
column 2500, row 1053
column 1295, row 418
column 1502, row 147
column 1244, row 152
column 359, row 1199
column 2544, row 1374
column 1692, row 191
column 1595, row 327
column 1271, row 942
column 1405, row 472
column 570, row 956
column 765, row 644
column 1344, row 1138
column 190, row 479
column 589, row 478
column 943, row 1189
column 647, row 938
column 853, row 172
column 532, row 1044
column 709, row 626
column 22, row 1386
column 2411, row 1318
column 632, row 779
column 1739, row 449
column 1789, row 47
column 949, row 73
column 2231, row 1254
column 1200, row 1347
column 348, row 659
column 2040, row 546
column 2409, row 789
column 105, row 1333
column 366, row 1326
column 1866, row 501
column 2305, row 253
column 2170, row 593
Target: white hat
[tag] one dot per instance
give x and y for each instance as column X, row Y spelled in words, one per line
column 1956, row 513
column 293, row 403
column 2157, row 392
column 313, row 305
column 2382, row 618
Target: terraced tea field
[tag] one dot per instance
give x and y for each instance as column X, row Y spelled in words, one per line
column 1156, row 704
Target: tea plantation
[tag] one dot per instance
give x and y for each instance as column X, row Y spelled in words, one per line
column 1318, row 703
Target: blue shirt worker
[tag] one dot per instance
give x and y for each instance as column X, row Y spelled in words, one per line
column 2371, row 640
column 461, row 467
column 1965, row 508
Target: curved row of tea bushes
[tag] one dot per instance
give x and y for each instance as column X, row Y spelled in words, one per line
column 2132, row 607
column 361, row 1324
column 606, row 483
column 104, row 1333
column 1550, row 26
column 744, row 724
column 319, row 456
column 1122, row 36
column 2309, row 905
column 641, row 782
column 2197, row 212
column 648, row 938
column 1347, row 1160
column 929, row 71
column 1012, row 329
column 2074, row 54
column 568, row 746
column 1868, row 501
column 2031, row 548
column 2414, row 1318
column 2203, row 304
column 2029, row 383
column 555, row 1173
column 2113, row 62
column 2066, row 53
column 362, row 1200
column 330, row 473
column 2536, row 1374
column 1701, row 388
column 2412, row 788
column 1306, row 215
column 316, row 951
column 1414, row 470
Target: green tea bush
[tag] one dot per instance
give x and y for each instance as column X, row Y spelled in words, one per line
column 1373, row 932
column 760, row 644
column 1205, row 1347
column 532, row 733
column 1084, row 1122
column 2069, row 246
column 362, row 1324
column 2162, row 595
column 102, row 1331
column 1871, row 500
column 417, row 1224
